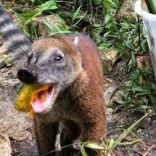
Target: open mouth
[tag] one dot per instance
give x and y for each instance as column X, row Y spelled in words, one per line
column 42, row 99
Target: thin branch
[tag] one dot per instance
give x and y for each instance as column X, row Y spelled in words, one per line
column 148, row 150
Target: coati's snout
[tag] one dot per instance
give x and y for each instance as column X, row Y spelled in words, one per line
column 26, row 75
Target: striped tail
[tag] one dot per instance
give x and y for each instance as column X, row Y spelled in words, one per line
column 16, row 42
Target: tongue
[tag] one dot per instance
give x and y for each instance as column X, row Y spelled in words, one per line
column 41, row 103
column 38, row 107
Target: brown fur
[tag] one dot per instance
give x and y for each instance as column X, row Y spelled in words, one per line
column 80, row 106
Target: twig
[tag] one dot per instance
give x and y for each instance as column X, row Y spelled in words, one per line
column 109, row 80
column 139, row 141
column 62, row 148
column 148, row 150
column 117, row 89
column 139, row 32
column 117, row 129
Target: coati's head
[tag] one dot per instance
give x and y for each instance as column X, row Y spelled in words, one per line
column 53, row 61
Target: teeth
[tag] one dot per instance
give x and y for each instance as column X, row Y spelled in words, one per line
column 33, row 105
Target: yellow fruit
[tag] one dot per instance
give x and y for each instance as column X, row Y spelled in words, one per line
column 27, row 95
column 23, row 102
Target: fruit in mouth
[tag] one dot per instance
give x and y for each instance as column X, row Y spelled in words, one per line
column 35, row 97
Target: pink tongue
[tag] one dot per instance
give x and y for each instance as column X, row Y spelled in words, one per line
column 40, row 105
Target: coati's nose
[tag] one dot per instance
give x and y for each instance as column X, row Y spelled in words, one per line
column 26, row 76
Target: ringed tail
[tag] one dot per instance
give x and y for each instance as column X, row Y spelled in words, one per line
column 15, row 40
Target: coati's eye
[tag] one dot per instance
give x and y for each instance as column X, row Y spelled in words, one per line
column 30, row 56
column 58, row 58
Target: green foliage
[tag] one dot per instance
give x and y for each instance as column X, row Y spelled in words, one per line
column 33, row 1
column 123, row 34
column 140, row 93
column 109, row 4
column 26, row 17
column 91, row 145
column 60, row 29
column 96, row 2
column 49, row 5
column 77, row 17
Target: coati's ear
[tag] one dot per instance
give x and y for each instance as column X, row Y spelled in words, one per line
column 76, row 40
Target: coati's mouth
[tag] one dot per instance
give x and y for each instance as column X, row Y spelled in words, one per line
column 43, row 98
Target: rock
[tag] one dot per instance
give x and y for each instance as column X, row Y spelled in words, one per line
column 126, row 9
column 4, row 58
column 13, row 123
column 3, row 50
column 109, row 54
column 144, row 62
column 41, row 28
column 5, row 145
column 108, row 57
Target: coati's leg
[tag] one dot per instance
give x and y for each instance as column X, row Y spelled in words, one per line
column 46, row 136
column 93, row 132
column 70, row 132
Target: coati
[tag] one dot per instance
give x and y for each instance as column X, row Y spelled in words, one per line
column 70, row 65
